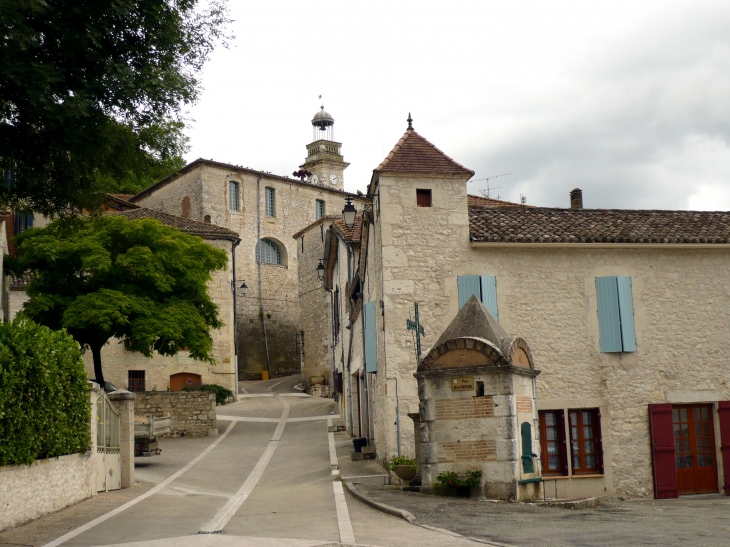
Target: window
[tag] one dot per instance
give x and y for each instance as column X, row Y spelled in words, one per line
column 552, row 443
column 483, row 286
column 270, row 202
column 268, row 252
column 319, row 206
column 615, row 314
column 423, row 198
column 585, row 441
column 135, row 380
column 234, row 196
column 21, row 222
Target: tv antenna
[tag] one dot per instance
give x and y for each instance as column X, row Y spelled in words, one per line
column 488, row 187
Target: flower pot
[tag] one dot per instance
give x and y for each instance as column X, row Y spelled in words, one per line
column 463, row 491
column 405, row 472
column 317, row 381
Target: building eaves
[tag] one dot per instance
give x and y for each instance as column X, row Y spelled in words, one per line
column 186, row 225
column 210, row 163
column 619, row 226
column 317, row 222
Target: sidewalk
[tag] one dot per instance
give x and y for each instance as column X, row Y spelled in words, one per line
column 687, row 521
column 361, row 471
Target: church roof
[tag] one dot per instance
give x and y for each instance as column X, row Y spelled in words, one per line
column 547, row 225
column 186, row 225
column 473, row 321
column 414, row 154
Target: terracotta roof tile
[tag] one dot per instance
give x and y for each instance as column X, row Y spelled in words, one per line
column 414, row 154
column 192, row 227
column 354, row 235
column 544, row 225
column 481, row 201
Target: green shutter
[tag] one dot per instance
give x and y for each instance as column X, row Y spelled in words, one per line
column 626, row 313
column 371, row 338
column 489, row 294
column 468, row 285
column 527, row 464
column 609, row 319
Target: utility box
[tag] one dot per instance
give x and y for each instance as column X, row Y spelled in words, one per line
column 478, row 409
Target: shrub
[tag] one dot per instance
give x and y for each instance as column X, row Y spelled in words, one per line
column 400, row 460
column 44, row 397
column 451, row 479
column 222, row 394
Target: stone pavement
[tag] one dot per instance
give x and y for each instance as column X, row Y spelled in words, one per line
column 685, row 522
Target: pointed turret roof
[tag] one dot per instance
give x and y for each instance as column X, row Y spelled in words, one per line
column 414, row 154
column 473, row 321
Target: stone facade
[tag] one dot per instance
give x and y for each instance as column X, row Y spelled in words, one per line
column 192, row 413
column 272, row 303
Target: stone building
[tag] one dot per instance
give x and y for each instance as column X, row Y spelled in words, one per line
column 625, row 313
column 265, row 210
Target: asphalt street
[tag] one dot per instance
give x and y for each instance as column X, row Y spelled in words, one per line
column 265, row 480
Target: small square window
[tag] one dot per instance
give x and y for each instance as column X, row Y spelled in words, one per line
column 135, row 380
column 423, row 198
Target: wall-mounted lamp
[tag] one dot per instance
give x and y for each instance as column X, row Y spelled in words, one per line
column 320, row 270
column 349, row 212
column 244, row 289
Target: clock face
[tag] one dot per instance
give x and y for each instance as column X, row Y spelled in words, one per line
column 334, row 179
column 315, row 179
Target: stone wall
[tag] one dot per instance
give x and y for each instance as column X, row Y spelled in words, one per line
column 192, row 413
column 45, row 486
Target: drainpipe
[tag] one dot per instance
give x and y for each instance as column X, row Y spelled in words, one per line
column 261, row 291
column 332, row 340
column 235, row 314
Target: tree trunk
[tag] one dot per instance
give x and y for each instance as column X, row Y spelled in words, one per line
column 98, row 374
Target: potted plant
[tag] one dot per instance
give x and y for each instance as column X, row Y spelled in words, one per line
column 403, row 466
column 463, row 487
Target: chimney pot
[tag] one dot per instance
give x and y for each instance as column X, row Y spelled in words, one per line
column 576, row 198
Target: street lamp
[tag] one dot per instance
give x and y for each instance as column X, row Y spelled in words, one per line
column 244, row 289
column 320, row 270
column 349, row 213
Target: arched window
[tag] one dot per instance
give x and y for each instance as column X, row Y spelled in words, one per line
column 268, row 252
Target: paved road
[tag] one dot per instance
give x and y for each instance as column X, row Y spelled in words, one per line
column 265, row 481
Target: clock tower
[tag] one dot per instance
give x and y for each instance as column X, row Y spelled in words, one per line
column 324, row 159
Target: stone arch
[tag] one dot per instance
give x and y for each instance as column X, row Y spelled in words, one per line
column 271, row 251
column 462, row 352
column 518, row 353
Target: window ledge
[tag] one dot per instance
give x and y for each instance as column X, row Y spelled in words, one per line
column 588, row 476
column 565, row 477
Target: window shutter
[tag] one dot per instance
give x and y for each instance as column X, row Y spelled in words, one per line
column 609, row 319
column 626, row 312
column 527, row 464
column 663, row 455
column 598, row 440
column 371, row 346
column 562, row 443
column 489, row 294
column 724, row 411
column 468, row 285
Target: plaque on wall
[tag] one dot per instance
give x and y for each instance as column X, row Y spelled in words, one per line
column 462, row 384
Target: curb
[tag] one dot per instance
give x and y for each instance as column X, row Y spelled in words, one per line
column 585, row 503
column 367, row 500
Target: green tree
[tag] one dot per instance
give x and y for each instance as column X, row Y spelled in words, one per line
column 92, row 92
column 139, row 281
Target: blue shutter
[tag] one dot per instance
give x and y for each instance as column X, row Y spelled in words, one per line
column 371, row 339
column 609, row 320
column 626, row 313
column 468, row 285
column 489, row 294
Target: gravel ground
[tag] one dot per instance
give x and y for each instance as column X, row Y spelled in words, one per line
column 688, row 521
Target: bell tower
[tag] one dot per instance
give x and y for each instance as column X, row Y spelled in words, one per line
column 324, row 159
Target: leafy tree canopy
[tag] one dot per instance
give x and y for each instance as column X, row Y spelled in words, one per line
column 140, row 281
column 91, row 94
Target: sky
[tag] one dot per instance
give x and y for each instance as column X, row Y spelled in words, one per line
column 629, row 101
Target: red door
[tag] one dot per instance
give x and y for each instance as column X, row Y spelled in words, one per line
column 694, row 445
column 662, row 451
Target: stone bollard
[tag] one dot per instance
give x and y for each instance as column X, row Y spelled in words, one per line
column 124, row 401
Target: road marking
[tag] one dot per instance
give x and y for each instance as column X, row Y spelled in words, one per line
column 227, row 418
column 163, row 484
column 219, row 521
column 343, row 515
column 347, row 535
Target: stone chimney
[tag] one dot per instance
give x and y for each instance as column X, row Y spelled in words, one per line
column 576, row 198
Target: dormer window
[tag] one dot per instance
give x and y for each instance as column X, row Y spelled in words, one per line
column 423, row 198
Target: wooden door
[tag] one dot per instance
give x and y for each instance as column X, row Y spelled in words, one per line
column 694, row 444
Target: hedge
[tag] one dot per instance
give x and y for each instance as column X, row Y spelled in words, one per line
column 222, row 394
column 44, row 398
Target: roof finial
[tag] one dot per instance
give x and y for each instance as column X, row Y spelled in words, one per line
column 410, row 121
